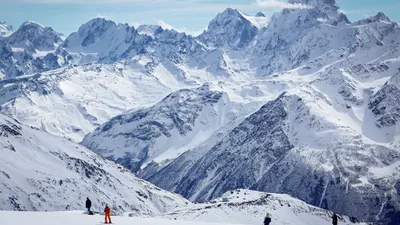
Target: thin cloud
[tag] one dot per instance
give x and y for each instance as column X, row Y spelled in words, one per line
column 101, row 16
column 274, row 4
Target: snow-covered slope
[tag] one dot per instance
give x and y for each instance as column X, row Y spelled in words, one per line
column 42, row 172
column 250, row 207
column 77, row 218
column 237, row 207
column 73, row 101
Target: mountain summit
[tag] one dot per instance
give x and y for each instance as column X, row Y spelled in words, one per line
column 229, row 27
column 33, row 36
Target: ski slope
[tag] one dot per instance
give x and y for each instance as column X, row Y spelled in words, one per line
column 78, row 218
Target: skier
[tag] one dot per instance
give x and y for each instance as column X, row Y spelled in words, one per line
column 267, row 219
column 88, row 206
column 107, row 214
column 334, row 219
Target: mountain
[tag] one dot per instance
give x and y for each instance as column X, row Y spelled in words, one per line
column 5, row 29
column 41, row 172
column 326, row 129
column 229, row 27
column 260, row 14
column 124, row 42
column 249, row 207
column 30, row 49
column 103, row 40
column 33, row 37
column 188, row 115
column 312, row 98
column 296, row 36
column 79, row 99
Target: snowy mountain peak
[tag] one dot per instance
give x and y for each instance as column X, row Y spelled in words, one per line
column 32, row 24
column 229, row 11
column 33, row 36
column 93, row 29
column 104, row 40
column 5, row 29
column 381, row 17
column 260, row 14
column 229, row 27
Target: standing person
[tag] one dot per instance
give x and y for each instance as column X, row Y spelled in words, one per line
column 334, row 219
column 88, row 205
column 107, row 214
column 267, row 219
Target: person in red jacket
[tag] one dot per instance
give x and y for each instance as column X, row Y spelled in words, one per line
column 107, row 215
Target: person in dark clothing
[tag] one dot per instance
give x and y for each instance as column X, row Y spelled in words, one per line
column 334, row 219
column 88, row 205
column 267, row 219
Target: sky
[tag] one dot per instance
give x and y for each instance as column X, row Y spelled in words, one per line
column 191, row 16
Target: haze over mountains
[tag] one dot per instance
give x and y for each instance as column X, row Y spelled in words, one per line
column 303, row 103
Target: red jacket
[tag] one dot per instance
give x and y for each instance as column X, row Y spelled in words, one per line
column 107, row 210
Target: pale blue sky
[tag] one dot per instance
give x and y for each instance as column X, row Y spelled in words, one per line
column 192, row 16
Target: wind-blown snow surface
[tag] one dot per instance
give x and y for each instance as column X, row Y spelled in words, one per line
column 41, row 172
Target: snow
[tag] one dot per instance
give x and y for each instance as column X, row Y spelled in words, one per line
column 41, row 172
column 335, row 84
column 42, row 53
column 77, row 218
column 17, row 49
column 241, row 207
column 249, row 207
